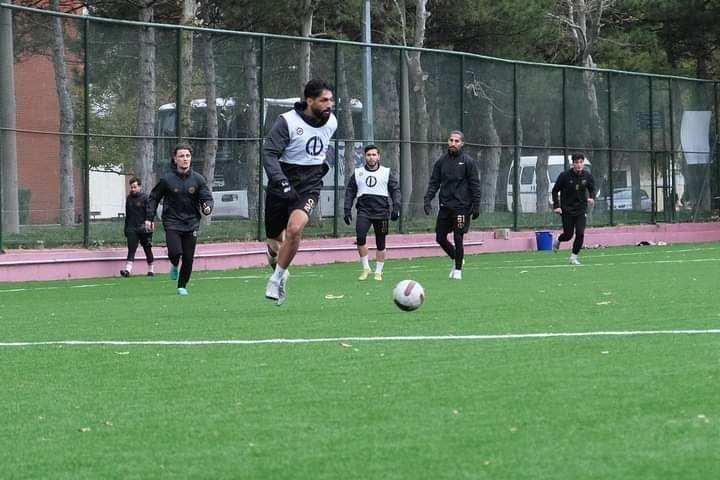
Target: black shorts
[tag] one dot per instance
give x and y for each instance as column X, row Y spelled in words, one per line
column 307, row 182
column 452, row 221
column 363, row 224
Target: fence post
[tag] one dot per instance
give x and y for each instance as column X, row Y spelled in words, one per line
column 86, row 147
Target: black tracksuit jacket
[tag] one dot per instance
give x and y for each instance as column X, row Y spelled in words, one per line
column 457, row 178
column 573, row 189
column 183, row 197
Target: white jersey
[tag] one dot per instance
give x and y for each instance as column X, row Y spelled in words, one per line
column 372, row 182
column 308, row 145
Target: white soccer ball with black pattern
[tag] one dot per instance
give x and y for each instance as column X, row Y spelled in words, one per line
column 408, row 295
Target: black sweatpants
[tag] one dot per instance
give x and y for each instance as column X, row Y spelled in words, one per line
column 574, row 224
column 181, row 246
column 458, row 223
column 133, row 240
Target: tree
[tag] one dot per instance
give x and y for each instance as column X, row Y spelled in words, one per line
column 67, row 120
column 421, row 167
column 146, row 98
column 8, row 145
column 208, row 14
column 583, row 21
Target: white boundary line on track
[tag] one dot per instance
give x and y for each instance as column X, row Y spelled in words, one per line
column 408, row 338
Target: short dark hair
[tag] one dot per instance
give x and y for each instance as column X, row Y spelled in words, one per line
column 577, row 156
column 458, row 133
column 134, row 179
column 182, row 146
column 315, row 87
column 371, row 147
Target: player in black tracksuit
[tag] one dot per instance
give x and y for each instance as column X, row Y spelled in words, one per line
column 576, row 190
column 135, row 232
column 378, row 197
column 185, row 195
column 456, row 175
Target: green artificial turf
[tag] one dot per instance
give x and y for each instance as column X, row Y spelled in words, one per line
column 481, row 382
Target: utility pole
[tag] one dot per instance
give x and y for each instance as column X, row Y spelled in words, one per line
column 367, row 111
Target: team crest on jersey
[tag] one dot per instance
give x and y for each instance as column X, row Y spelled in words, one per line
column 314, row 146
column 191, row 190
column 299, row 131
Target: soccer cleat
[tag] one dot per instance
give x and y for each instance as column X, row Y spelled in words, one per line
column 124, row 273
column 378, row 276
column 173, row 272
column 456, row 275
column 365, row 273
column 150, row 274
column 282, row 289
column 276, row 289
column 556, row 245
column 272, row 289
column 182, row 292
column 574, row 260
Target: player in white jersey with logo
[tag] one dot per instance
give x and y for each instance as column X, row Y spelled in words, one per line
column 378, row 197
column 294, row 156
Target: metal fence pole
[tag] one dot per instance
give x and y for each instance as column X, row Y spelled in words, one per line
column 86, row 146
column 609, row 187
column 348, row 151
column 672, row 154
column 516, row 163
column 261, row 121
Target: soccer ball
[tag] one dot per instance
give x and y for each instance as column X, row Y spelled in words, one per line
column 408, row 295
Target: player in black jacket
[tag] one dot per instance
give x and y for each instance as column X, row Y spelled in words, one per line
column 375, row 187
column 455, row 174
column 185, row 195
column 576, row 190
column 135, row 232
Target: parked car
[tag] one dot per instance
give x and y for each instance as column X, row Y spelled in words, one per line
column 622, row 198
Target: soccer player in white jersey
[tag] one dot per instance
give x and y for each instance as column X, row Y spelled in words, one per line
column 294, row 158
column 378, row 197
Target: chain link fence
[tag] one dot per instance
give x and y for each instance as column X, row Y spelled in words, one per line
column 87, row 102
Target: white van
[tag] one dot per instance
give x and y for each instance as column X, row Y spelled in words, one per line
column 528, row 180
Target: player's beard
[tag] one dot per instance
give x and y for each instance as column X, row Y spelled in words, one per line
column 321, row 114
column 452, row 150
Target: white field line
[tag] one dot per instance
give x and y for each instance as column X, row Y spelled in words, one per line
column 564, row 264
column 407, row 338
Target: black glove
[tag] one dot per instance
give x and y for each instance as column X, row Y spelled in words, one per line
column 394, row 215
column 475, row 213
column 347, row 218
column 286, row 191
column 428, row 209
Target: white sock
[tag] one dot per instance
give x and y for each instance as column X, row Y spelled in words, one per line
column 128, row 266
column 379, row 266
column 365, row 262
column 278, row 274
column 150, row 268
column 573, row 256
